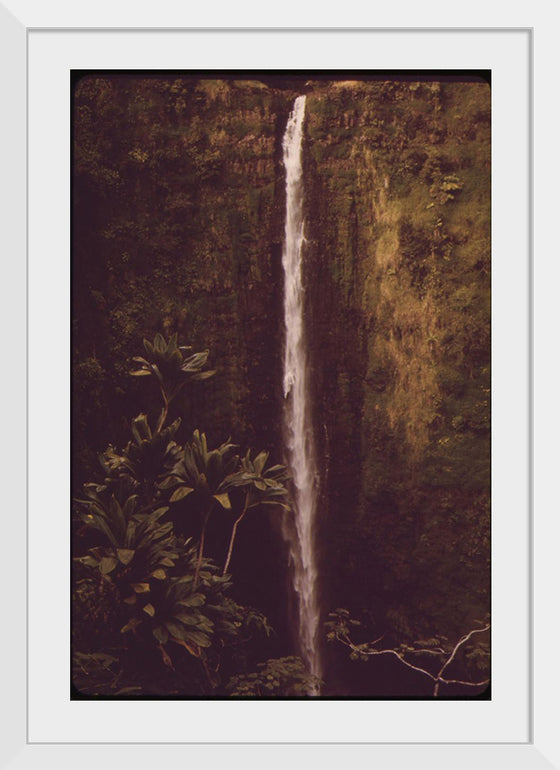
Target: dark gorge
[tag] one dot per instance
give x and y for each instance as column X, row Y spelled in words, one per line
column 178, row 233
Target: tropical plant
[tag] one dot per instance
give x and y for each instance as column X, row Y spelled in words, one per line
column 133, row 539
column 173, row 366
column 278, row 676
column 97, row 673
column 208, row 473
column 149, row 457
column 141, row 591
column 151, row 575
column 262, row 486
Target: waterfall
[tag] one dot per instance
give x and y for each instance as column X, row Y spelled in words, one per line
column 299, row 527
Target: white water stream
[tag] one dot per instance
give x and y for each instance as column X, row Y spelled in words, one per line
column 300, row 533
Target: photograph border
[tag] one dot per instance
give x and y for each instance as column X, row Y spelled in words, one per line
column 14, row 39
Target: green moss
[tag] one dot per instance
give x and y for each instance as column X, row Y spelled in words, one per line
column 404, row 233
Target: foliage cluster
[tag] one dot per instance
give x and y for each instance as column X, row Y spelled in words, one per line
column 280, row 677
column 150, row 611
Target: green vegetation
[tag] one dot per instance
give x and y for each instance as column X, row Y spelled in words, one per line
column 281, row 677
column 150, row 613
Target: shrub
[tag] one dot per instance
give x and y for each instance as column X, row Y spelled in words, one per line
column 146, row 602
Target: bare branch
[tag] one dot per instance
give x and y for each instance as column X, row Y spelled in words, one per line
column 459, row 644
column 438, row 678
column 467, row 684
column 433, row 651
column 385, row 652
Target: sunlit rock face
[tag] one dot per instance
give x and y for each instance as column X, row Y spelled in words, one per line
column 398, row 213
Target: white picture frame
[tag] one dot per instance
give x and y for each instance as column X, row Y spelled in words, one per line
column 538, row 748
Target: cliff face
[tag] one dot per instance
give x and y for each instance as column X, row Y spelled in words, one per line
column 178, row 224
column 177, row 227
column 400, row 243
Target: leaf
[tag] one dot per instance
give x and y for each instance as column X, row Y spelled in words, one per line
column 150, row 610
column 129, row 690
column 204, row 445
column 175, row 629
column 204, row 375
column 97, row 522
column 158, row 513
column 159, row 343
column 118, row 516
column 87, row 561
column 140, row 373
column 180, row 493
column 140, row 428
column 168, row 482
column 130, row 599
column 197, row 637
column 163, row 530
column 273, row 484
column 260, row 461
column 224, row 500
column 160, row 634
column 156, row 371
column 107, row 564
column 184, row 579
column 125, row 555
column 172, row 429
column 92, row 487
column 140, row 588
column 131, row 625
column 196, row 600
column 130, row 532
column 205, row 624
column 195, row 362
column 188, row 620
column 159, row 574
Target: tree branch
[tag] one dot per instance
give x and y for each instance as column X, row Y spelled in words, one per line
column 385, row 652
column 436, row 678
column 461, row 641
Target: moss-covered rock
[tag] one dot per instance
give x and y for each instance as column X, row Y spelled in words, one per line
column 398, row 221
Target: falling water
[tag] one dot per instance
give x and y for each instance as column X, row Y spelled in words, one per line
column 299, row 532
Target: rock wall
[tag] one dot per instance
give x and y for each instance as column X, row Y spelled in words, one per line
column 399, row 237
column 178, row 195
